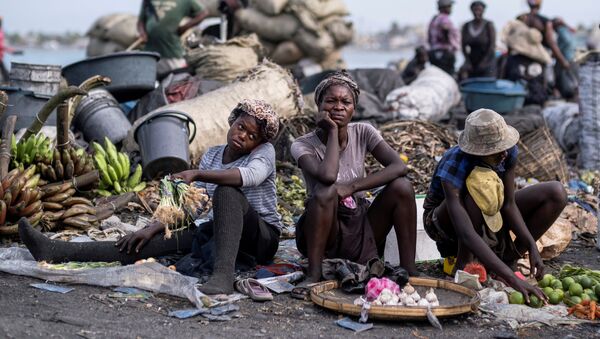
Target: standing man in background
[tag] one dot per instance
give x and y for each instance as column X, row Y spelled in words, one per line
column 443, row 38
column 159, row 26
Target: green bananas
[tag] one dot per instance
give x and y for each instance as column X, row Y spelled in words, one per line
column 115, row 170
column 35, row 149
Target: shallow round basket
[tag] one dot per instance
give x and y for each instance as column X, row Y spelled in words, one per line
column 454, row 300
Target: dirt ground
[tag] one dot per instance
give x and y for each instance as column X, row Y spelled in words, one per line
column 89, row 312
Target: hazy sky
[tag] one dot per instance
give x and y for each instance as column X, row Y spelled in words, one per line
column 57, row 16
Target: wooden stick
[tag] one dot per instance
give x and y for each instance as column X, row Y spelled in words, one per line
column 3, row 103
column 107, row 209
column 135, row 44
column 5, row 148
column 62, row 126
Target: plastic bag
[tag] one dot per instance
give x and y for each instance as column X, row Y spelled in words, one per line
column 152, row 277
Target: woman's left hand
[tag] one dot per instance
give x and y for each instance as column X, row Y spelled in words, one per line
column 344, row 190
column 536, row 264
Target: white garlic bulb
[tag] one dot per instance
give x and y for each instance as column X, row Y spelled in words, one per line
column 435, row 304
column 408, row 289
column 416, row 296
column 377, row 302
column 395, row 300
column 385, row 296
column 409, row 301
column 423, row 302
column 430, row 296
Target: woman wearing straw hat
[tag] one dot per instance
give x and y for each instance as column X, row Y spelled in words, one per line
column 472, row 205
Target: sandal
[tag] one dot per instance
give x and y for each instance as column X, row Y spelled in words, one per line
column 253, row 289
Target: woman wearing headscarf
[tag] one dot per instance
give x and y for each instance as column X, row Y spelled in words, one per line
column 338, row 221
column 478, row 45
column 239, row 178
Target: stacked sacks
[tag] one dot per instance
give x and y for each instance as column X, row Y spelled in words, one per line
column 295, row 29
column 111, row 33
column 226, row 61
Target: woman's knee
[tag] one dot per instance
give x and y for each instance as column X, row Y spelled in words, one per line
column 226, row 193
column 401, row 188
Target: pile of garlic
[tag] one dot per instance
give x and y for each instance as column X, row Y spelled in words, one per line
column 407, row 297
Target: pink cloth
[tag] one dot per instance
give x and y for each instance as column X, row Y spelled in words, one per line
column 376, row 285
column 436, row 36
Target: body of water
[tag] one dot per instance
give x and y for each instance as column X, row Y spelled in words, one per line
column 354, row 57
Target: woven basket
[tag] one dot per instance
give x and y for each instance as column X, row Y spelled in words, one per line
column 541, row 158
column 327, row 295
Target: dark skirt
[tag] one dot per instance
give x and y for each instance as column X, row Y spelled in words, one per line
column 355, row 240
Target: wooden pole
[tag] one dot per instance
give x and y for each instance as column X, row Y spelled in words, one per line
column 5, row 148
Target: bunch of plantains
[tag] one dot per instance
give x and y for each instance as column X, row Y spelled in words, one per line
column 19, row 197
column 114, row 169
column 37, row 148
column 52, row 164
column 61, row 208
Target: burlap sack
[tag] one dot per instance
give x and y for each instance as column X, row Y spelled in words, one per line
column 324, row 8
column 556, row 239
column 120, row 28
column 286, row 53
column 333, row 61
column 269, row 7
column 97, row 47
column 315, row 46
column 273, row 28
column 226, row 61
column 210, row 111
column 341, row 31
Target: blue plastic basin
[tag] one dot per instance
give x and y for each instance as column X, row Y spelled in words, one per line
column 502, row 96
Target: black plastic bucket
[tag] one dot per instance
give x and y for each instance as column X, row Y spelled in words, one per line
column 99, row 115
column 25, row 105
column 164, row 142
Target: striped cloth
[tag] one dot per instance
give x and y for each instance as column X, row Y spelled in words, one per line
column 258, row 178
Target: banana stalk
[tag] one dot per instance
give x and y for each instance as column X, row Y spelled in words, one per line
column 44, row 113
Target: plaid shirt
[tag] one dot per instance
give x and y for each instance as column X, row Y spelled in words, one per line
column 437, row 37
column 455, row 167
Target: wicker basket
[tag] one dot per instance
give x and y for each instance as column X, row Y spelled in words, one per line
column 327, row 295
column 541, row 158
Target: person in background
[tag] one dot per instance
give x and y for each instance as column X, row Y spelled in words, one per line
column 478, row 39
column 566, row 79
column 338, row 221
column 159, row 26
column 535, row 20
column 416, row 65
column 443, row 38
column 4, row 76
column 472, row 206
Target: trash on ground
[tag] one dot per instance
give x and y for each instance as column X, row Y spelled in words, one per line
column 52, row 288
column 353, row 325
